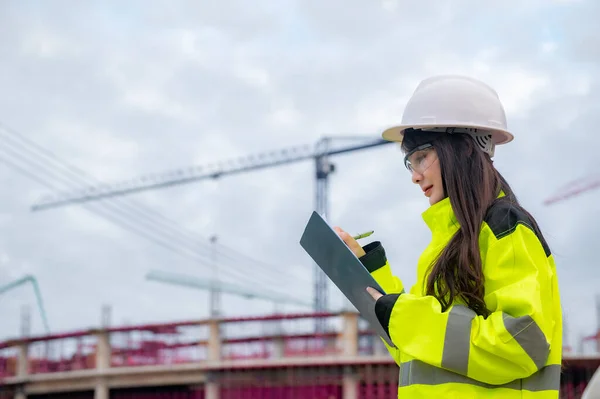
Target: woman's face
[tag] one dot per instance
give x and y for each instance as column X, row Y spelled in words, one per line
column 424, row 166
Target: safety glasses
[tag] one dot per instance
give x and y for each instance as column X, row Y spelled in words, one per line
column 420, row 158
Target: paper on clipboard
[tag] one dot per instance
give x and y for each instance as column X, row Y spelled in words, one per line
column 343, row 268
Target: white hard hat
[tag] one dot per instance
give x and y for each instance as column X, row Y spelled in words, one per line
column 457, row 104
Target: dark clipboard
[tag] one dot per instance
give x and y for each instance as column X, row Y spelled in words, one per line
column 343, row 268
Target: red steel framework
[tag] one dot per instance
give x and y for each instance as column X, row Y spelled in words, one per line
column 275, row 356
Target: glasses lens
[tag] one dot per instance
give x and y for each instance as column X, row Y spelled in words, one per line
column 419, row 159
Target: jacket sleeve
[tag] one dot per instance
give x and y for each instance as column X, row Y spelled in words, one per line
column 375, row 261
column 511, row 343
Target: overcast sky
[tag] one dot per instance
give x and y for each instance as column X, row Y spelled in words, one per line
column 124, row 89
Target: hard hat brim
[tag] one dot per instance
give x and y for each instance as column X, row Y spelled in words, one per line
column 396, row 133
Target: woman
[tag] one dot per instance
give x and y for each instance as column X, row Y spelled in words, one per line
column 484, row 317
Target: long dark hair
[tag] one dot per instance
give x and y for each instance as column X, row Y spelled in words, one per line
column 472, row 184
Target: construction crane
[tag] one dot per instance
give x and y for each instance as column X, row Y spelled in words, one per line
column 36, row 289
column 573, row 189
column 185, row 280
column 320, row 153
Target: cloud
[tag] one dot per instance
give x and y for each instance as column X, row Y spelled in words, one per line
column 144, row 88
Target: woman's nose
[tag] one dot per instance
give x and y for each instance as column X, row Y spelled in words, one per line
column 416, row 177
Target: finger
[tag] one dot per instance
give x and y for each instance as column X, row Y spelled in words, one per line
column 343, row 235
column 348, row 239
column 374, row 293
column 350, row 242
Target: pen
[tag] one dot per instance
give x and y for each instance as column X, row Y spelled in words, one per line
column 363, row 235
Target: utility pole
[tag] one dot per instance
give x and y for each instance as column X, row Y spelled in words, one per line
column 25, row 321
column 105, row 316
column 215, row 293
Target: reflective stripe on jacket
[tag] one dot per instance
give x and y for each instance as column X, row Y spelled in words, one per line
column 515, row 352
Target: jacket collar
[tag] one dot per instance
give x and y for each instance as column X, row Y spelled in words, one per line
column 440, row 217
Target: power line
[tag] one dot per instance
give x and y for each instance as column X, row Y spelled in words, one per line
column 118, row 221
column 139, row 210
column 231, row 253
column 126, row 224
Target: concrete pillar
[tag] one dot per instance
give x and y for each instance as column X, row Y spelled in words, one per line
column 22, row 368
column 211, row 388
column 103, row 351
column 214, row 340
column 278, row 347
column 101, row 391
column 103, row 361
column 350, row 381
column 20, row 393
column 350, row 334
column 23, row 359
column 378, row 346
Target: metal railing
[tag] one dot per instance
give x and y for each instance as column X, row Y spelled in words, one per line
column 228, row 339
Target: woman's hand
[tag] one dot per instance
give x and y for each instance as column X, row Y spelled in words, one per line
column 358, row 251
column 350, row 242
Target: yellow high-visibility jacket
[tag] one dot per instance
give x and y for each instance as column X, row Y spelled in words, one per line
column 515, row 352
